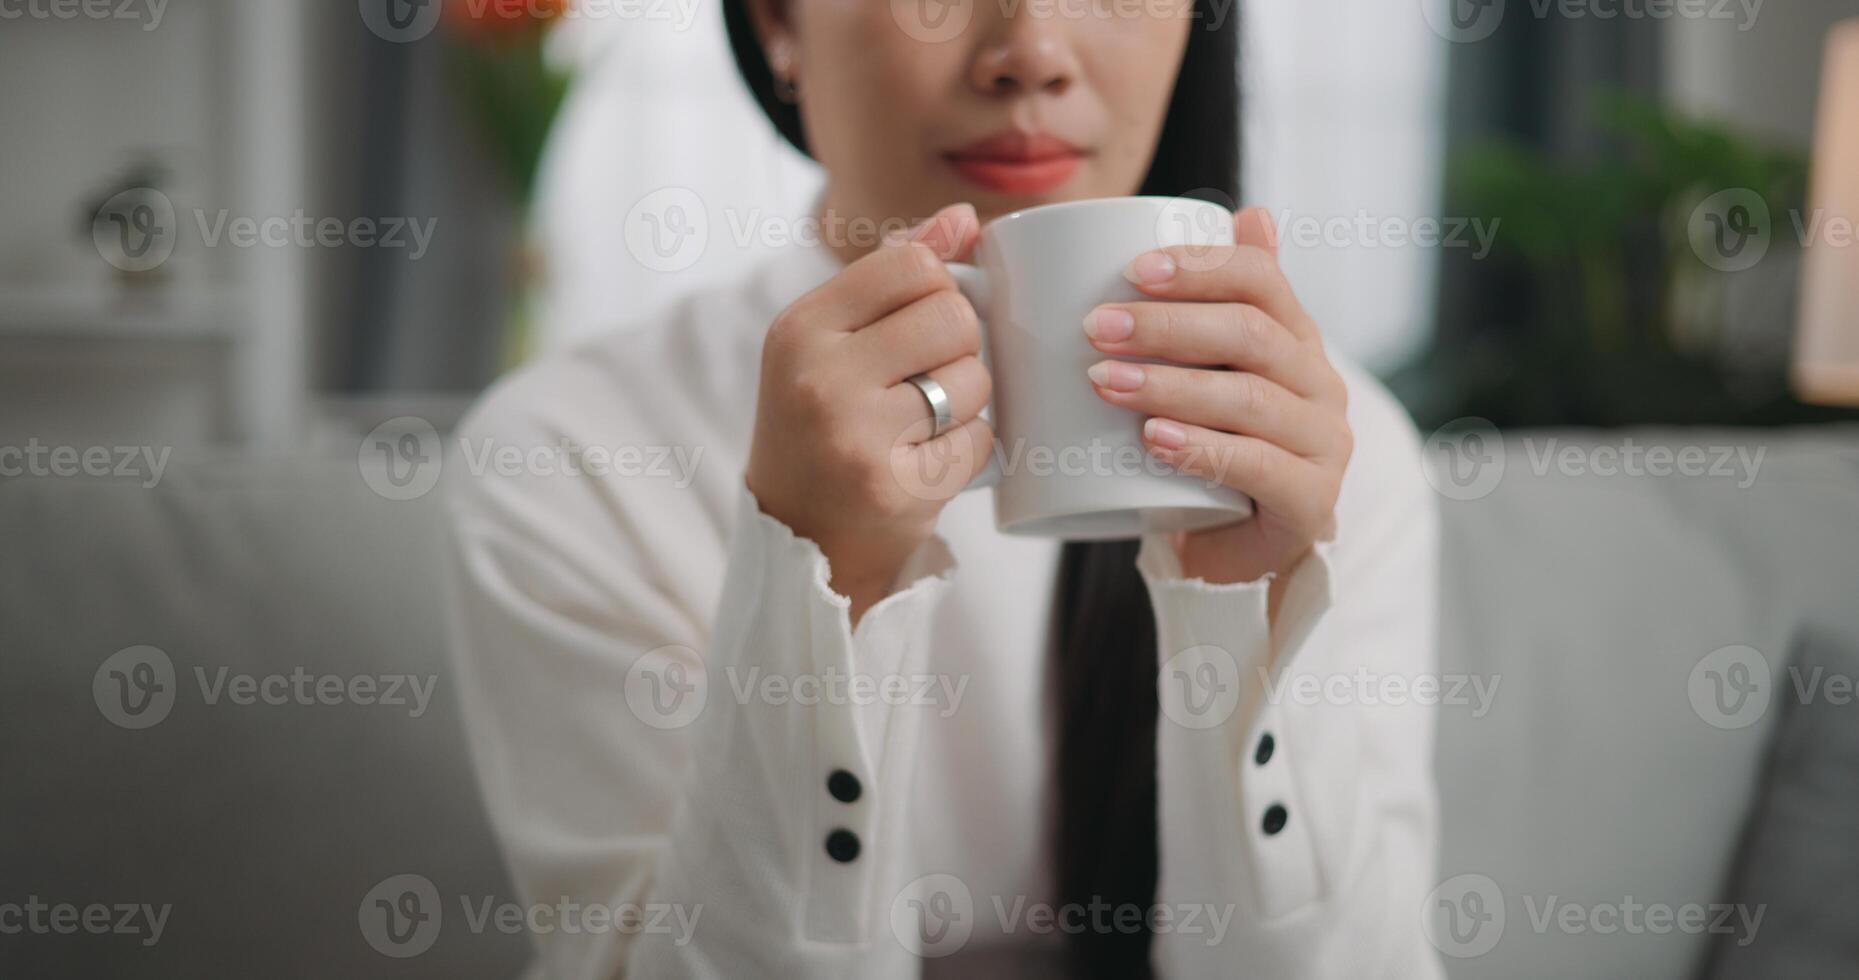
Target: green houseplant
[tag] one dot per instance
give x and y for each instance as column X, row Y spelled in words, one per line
column 1626, row 314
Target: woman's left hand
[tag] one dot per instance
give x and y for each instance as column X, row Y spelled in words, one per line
column 1265, row 415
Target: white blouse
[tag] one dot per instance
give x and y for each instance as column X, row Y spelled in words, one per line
column 699, row 770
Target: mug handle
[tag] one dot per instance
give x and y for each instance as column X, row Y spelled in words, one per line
column 974, row 284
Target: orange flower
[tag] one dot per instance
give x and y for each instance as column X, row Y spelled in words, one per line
column 502, row 20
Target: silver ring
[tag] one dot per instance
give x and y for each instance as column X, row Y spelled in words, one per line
column 938, row 401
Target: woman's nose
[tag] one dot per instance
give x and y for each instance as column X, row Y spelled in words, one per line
column 1028, row 53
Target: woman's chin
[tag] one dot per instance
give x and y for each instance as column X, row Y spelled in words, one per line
column 994, row 204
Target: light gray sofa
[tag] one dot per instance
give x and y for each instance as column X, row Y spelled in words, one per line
column 1589, row 776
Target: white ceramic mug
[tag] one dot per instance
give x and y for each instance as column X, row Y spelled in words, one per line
column 1066, row 463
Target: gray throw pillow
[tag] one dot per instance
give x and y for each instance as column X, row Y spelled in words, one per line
column 1799, row 860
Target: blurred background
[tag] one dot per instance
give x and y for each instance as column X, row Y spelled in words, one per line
column 1481, row 210
column 283, row 245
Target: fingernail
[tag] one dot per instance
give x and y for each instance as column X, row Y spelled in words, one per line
column 1116, row 375
column 1150, row 269
column 944, row 216
column 921, row 229
column 1109, row 325
column 1164, row 433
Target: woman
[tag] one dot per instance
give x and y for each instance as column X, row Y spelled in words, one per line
column 744, row 707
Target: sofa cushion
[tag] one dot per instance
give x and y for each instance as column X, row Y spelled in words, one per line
column 1799, row 864
column 279, row 739
column 1604, row 777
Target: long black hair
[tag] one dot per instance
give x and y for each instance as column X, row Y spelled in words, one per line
column 1104, row 661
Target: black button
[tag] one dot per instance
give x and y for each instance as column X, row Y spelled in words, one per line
column 844, row 786
column 1263, row 753
column 842, row 846
column 1275, row 817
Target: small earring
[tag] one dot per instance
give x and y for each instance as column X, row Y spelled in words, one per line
column 781, row 65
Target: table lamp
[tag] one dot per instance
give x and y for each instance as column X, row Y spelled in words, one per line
column 1826, row 363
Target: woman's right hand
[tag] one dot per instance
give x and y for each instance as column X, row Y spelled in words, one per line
column 843, row 450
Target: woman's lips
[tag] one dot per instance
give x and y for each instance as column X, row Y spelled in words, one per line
column 1016, row 162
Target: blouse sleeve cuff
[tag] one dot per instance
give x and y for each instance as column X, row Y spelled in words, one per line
column 866, row 689
column 1225, row 736
column 889, row 640
column 1235, row 616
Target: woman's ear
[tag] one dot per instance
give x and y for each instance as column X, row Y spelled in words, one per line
column 773, row 30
